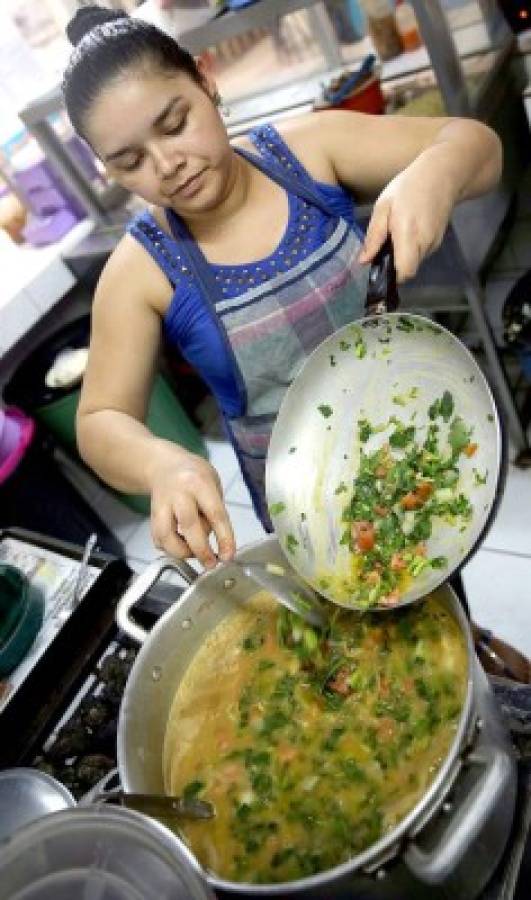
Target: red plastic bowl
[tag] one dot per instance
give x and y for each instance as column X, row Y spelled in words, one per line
column 367, row 99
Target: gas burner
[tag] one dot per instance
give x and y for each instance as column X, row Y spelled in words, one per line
column 82, row 749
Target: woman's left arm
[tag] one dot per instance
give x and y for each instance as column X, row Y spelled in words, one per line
column 418, row 169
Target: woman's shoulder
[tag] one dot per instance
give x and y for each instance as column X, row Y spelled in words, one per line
column 306, row 137
column 130, row 272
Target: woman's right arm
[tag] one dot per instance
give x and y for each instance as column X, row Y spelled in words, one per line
column 186, row 496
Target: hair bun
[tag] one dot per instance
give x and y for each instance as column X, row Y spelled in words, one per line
column 88, row 17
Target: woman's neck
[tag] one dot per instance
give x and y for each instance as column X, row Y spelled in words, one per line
column 239, row 185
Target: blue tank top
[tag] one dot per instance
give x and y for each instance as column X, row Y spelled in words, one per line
column 187, row 323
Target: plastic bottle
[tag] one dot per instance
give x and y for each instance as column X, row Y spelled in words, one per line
column 407, row 25
column 382, row 28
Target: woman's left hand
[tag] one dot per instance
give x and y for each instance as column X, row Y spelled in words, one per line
column 414, row 209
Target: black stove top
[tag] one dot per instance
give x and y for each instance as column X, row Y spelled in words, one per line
column 82, row 749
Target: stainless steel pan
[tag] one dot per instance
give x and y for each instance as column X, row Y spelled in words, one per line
column 315, row 446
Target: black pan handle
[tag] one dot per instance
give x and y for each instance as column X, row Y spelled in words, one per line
column 382, row 295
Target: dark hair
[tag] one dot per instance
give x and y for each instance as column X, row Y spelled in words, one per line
column 107, row 43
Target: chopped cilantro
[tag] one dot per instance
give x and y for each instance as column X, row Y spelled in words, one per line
column 405, row 324
column 252, row 642
column 276, row 508
column 447, row 406
column 291, row 543
column 192, row 789
column 459, row 435
column 402, row 436
column 442, row 407
column 399, row 399
column 325, row 410
column 365, row 430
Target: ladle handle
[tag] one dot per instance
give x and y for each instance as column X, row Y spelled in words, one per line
column 382, row 295
column 139, row 588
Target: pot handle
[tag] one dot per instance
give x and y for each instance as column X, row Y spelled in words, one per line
column 466, row 821
column 139, row 588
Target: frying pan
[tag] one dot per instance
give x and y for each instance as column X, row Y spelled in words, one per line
column 359, row 373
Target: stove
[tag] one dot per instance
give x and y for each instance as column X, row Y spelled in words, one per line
column 62, row 718
column 59, row 709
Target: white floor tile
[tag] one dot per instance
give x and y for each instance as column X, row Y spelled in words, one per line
column 236, row 491
column 247, row 528
column 224, row 460
column 498, row 587
column 140, row 546
column 511, row 529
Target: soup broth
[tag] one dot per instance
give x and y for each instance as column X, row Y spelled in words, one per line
column 311, row 747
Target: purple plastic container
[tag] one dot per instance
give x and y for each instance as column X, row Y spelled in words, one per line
column 16, row 433
column 9, row 434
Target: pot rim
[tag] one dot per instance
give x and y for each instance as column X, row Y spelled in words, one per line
column 426, row 807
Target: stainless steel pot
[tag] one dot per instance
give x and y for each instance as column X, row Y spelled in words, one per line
column 450, row 843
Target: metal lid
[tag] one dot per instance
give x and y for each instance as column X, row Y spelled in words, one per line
column 27, row 795
column 114, row 853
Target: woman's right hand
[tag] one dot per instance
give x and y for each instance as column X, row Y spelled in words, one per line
column 187, row 506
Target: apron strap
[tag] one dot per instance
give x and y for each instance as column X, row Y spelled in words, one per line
column 208, row 288
column 290, row 183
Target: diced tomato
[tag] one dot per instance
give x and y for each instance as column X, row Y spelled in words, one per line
column 424, row 490
column 384, row 685
column 386, row 728
column 374, row 637
column 397, row 563
column 470, row 449
column 339, row 683
column 363, row 534
column 223, row 742
column 285, row 753
column 390, row 599
column 411, row 501
column 415, row 499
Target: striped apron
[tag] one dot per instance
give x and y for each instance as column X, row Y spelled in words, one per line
column 271, row 329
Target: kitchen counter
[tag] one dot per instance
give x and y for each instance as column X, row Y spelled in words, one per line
column 34, row 279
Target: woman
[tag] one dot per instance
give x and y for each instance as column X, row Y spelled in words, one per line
column 248, row 257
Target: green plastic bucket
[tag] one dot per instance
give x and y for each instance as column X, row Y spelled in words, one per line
column 166, row 418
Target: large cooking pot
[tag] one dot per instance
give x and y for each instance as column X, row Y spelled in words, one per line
column 450, row 843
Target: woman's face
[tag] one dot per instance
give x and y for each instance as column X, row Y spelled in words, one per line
column 160, row 136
